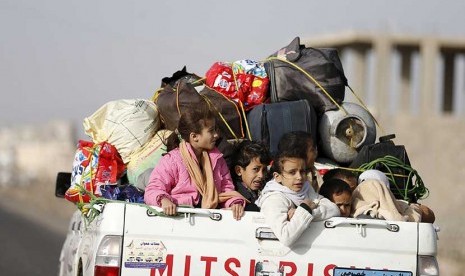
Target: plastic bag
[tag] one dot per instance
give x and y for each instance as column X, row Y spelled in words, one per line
column 252, row 82
column 126, row 124
column 128, row 193
column 94, row 165
column 147, row 156
column 244, row 81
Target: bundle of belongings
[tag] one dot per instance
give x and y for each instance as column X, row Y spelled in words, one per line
column 372, row 198
column 121, row 131
column 296, row 88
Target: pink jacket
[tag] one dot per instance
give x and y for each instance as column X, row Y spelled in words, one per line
column 171, row 179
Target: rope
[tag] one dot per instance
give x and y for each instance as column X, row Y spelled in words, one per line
column 244, row 116
column 240, row 103
column 327, row 94
column 159, row 90
column 312, row 79
column 366, row 109
column 390, row 162
column 221, row 116
column 177, row 98
column 91, row 210
column 156, row 94
column 199, row 82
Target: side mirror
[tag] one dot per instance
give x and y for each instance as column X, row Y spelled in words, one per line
column 63, row 182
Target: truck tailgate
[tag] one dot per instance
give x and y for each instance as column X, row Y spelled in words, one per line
column 196, row 244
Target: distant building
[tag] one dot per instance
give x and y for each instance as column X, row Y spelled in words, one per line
column 32, row 153
column 402, row 73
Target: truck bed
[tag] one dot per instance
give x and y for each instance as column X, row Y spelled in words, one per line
column 211, row 242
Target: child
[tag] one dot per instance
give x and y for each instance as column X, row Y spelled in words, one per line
column 289, row 189
column 374, row 174
column 302, row 142
column 374, row 187
column 250, row 169
column 343, row 174
column 339, row 192
column 193, row 172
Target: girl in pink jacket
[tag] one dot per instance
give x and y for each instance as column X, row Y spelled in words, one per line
column 193, row 172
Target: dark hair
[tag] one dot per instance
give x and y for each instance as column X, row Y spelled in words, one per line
column 281, row 156
column 296, row 141
column 192, row 120
column 338, row 173
column 334, row 186
column 247, row 150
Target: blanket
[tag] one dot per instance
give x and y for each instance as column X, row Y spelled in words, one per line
column 374, row 199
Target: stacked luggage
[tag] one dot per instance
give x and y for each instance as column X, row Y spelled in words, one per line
column 297, row 88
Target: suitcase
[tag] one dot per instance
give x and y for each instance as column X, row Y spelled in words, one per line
column 268, row 122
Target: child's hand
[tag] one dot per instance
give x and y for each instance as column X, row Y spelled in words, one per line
column 238, row 211
column 310, row 203
column 169, row 208
column 290, row 213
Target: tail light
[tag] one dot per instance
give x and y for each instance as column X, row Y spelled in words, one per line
column 427, row 266
column 107, row 261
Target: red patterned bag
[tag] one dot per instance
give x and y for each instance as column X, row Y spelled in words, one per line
column 244, row 82
column 94, row 165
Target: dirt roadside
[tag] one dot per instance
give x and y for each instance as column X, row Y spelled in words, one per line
column 38, row 203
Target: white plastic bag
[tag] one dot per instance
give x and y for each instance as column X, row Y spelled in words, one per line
column 126, row 124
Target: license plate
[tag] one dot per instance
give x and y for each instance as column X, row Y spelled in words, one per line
column 340, row 271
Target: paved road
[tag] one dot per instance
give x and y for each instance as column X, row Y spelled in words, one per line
column 27, row 248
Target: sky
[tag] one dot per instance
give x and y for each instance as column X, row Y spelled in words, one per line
column 64, row 59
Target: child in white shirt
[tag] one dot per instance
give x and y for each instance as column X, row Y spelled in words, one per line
column 290, row 189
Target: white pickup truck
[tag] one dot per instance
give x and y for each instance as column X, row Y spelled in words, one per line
column 134, row 239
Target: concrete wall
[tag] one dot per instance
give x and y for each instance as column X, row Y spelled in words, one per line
column 422, row 106
column 436, row 149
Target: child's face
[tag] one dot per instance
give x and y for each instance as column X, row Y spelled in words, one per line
column 206, row 139
column 253, row 175
column 293, row 174
column 344, row 202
